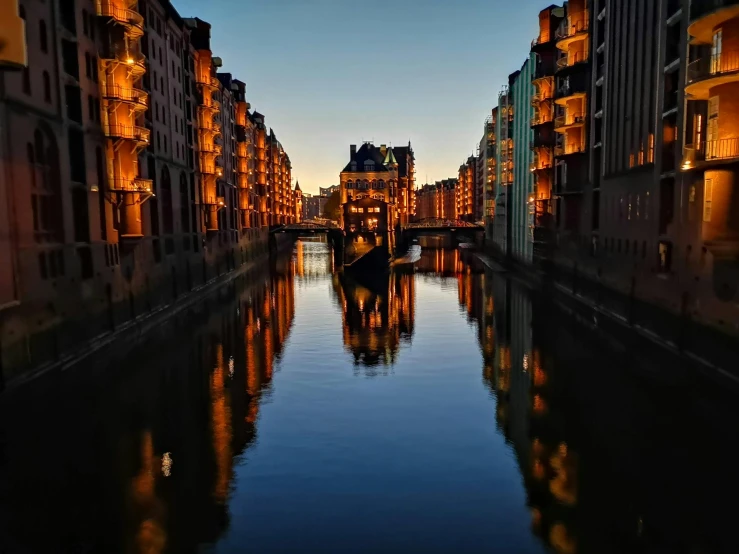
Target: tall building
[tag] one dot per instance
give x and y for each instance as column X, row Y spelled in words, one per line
column 490, row 177
column 542, row 122
column 572, row 150
column 522, row 207
column 504, row 166
column 467, row 190
column 135, row 157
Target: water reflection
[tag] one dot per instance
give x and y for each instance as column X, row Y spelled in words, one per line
column 150, row 454
column 152, row 470
column 377, row 316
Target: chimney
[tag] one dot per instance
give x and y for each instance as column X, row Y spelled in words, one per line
column 352, row 150
column 383, row 149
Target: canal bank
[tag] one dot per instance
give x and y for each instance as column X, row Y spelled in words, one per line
column 68, row 339
column 694, row 345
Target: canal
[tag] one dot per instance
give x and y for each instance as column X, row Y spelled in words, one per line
column 444, row 410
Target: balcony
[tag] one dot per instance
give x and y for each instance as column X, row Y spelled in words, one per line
column 564, row 122
column 572, row 30
column 128, row 55
column 705, row 153
column 573, row 87
column 208, row 168
column 567, row 149
column 542, row 40
column 539, row 165
column 706, row 15
column 541, row 119
column 132, row 20
column 127, row 132
column 207, row 81
column 137, row 184
column 711, row 71
column 544, row 69
column 571, row 60
column 130, row 95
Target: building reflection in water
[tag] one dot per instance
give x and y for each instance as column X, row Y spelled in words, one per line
column 152, row 472
column 527, row 416
column 377, row 316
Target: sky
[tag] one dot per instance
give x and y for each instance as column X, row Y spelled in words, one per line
column 330, row 73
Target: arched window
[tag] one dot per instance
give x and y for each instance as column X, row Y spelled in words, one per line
column 43, row 158
column 47, row 87
column 381, row 184
column 184, row 203
column 374, row 184
column 349, row 185
column 42, row 36
column 165, row 193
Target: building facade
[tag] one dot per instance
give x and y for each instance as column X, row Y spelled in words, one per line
column 522, row 206
column 633, row 154
column 437, row 201
column 383, row 173
column 123, row 161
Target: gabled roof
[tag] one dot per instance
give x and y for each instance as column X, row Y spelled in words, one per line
column 390, row 158
column 366, row 152
column 297, row 185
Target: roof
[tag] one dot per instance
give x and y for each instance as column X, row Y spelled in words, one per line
column 367, row 151
column 297, row 185
column 390, row 158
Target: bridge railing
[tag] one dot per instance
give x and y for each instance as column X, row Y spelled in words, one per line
column 441, row 223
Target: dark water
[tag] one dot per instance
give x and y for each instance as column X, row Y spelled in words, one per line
column 436, row 412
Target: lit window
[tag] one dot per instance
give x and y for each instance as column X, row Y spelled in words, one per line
column 707, row 199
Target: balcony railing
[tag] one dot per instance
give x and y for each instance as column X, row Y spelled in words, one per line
column 127, row 54
column 125, row 94
column 699, row 8
column 572, row 59
column 711, row 150
column 207, row 80
column 137, row 184
column 713, row 66
column 540, row 120
column 129, row 132
column 565, row 149
column 569, row 119
column 543, row 38
column 569, row 28
column 132, row 19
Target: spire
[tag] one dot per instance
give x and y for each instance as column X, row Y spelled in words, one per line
column 297, row 185
column 390, row 158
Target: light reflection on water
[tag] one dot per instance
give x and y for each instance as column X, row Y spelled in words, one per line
column 432, row 411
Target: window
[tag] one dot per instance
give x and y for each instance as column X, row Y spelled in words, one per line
column 156, row 111
column 165, row 144
column 43, row 40
column 91, row 107
column 712, row 141
column 88, row 66
column 628, row 214
column 153, row 50
column 164, row 119
column 26, row 77
column 716, row 47
column 155, row 79
column 349, row 185
column 159, row 140
column 43, row 160
column 85, row 29
column 97, row 110
column 94, row 62
column 161, row 85
column 638, row 211
column 47, row 87
column 161, row 57
column 707, row 199
column 646, row 206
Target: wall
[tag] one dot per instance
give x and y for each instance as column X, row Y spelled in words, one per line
column 520, row 209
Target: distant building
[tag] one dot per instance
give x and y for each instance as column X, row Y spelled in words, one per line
column 437, row 200
column 382, row 173
column 328, row 191
column 311, row 206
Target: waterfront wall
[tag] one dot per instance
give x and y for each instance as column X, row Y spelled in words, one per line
column 66, row 314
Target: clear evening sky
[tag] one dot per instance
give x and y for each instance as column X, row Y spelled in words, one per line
column 330, row 73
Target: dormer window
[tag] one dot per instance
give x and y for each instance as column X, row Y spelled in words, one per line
column 369, row 165
column 354, row 166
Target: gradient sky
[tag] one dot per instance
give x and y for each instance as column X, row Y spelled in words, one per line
column 330, row 73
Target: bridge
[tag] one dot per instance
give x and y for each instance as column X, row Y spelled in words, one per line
column 432, row 223
column 308, row 226
column 449, row 232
